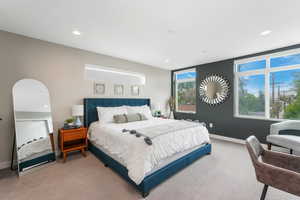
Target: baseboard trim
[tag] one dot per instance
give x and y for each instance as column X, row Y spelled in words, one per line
column 228, row 139
column 233, row 140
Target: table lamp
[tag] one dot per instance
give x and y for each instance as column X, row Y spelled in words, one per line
column 77, row 111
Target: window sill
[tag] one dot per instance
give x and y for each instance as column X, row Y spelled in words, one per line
column 185, row 112
column 262, row 118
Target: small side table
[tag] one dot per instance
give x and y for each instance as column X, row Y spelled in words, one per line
column 72, row 140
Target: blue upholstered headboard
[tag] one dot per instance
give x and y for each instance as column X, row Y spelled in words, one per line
column 91, row 104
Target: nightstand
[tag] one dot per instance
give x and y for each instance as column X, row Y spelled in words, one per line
column 72, row 140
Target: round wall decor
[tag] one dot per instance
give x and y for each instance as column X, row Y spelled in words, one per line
column 214, row 89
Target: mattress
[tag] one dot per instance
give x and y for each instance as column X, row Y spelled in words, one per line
column 161, row 164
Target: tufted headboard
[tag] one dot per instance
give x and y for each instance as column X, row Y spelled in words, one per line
column 91, row 104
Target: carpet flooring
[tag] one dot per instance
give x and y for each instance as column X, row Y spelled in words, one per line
column 226, row 174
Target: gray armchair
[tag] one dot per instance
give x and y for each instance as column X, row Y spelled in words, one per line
column 285, row 134
column 278, row 170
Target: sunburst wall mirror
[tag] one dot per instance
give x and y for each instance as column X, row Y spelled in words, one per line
column 214, row 89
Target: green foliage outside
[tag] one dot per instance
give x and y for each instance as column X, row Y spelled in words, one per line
column 186, row 93
column 284, row 106
column 249, row 103
column 292, row 110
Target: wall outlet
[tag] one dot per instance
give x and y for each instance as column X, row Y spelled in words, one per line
column 211, row 125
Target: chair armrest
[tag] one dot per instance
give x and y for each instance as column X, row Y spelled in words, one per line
column 279, row 178
column 285, row 125
column 289, row 132
column 282, row 160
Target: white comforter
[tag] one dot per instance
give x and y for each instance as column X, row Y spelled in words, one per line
column 139, row 157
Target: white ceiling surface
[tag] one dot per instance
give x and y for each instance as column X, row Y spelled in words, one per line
column 186, row 32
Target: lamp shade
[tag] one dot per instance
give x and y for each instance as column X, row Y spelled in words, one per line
column 77, row 110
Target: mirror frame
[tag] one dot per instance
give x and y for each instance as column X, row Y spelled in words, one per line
column 225, row 87
column 15, row 146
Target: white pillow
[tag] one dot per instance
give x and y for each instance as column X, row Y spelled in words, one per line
column 140, row 109
column 106, row 114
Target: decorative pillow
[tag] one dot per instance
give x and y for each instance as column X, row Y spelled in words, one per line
column 129, row 118
column 135, row 117
column 105, row 114
column 120, row 119
column 145, row 110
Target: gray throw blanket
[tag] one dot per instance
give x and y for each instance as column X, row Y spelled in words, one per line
column 152, row 132
column 155, row 131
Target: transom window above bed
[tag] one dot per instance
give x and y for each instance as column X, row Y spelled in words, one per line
column 268, row 87
column 185, row 90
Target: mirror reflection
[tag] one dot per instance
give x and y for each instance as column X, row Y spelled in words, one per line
column 33, row 124
column 213, row 90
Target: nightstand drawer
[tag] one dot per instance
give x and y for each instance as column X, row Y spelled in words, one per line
column 73, row 135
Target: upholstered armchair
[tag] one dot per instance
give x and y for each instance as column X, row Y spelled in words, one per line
column 285, row 134
column 278, row 170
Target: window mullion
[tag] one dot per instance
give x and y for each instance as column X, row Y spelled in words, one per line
column 267, row 89
column 176, row 92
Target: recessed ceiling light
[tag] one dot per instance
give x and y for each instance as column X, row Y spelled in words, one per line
column 167, row 61
column 76, row 32
column 266, row 32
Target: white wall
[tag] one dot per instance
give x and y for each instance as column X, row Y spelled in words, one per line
column 61, row 69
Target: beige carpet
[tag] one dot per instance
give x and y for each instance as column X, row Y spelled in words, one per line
column 227, row 174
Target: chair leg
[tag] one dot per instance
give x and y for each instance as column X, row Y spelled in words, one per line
column 269, row 146
column 291, row 151
column 264, row 192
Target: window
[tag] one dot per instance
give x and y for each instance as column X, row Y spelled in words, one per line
column 252, row 95
column 268, row 87
column 185, row 90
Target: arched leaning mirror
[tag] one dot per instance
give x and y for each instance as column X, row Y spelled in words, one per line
column 214, row 90
column 33, row 124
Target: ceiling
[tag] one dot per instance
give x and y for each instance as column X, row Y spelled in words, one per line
column 169, row 34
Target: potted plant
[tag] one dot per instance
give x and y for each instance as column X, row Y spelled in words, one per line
column 69, row 121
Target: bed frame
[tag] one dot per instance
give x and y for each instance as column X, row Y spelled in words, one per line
column 152, row 180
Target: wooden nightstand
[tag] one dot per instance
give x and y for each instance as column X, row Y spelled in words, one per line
column 72, row 140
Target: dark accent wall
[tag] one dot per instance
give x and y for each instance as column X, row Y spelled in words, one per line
column 222, row 116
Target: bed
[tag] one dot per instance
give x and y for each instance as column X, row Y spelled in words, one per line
column 164, row 169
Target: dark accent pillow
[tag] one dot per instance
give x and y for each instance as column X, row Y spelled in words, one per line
column 120, row 119
column 133, row 117
column 129, row 118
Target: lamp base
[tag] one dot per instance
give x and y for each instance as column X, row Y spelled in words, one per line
column 78, row 122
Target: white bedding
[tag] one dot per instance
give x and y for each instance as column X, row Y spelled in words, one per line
column 140, row 158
